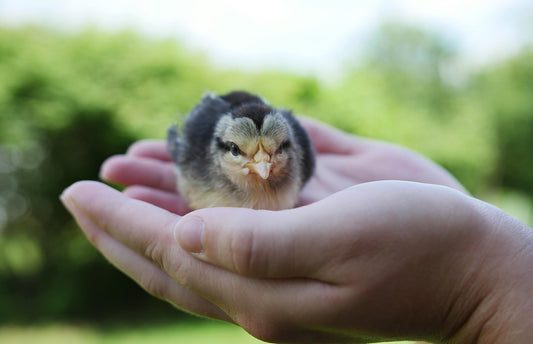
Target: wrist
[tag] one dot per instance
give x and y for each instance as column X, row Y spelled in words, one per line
column 503, row 291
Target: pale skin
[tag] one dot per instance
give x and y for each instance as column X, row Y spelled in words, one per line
column 362, row 259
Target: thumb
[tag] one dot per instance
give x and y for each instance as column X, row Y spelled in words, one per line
column 259, row 243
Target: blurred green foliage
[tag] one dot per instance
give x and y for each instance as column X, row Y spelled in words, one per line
column 199, row 332
column 69, row 101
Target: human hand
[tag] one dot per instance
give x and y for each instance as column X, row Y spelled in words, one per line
column 342, row 160
column 378, row 261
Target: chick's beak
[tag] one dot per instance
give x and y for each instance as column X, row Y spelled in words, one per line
column 262, row 168
column 261, row 164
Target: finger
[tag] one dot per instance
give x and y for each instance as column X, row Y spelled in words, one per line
column 332, row 174
column 271, row 244
column 235, row 295
column 273, row 310
column 307, row 242
column 132, row 234
column 312, row 192
column 145, row 273
column 155, row 149
column 130, row 170
column 328, row 140
column 163, row 199
column 134, row 223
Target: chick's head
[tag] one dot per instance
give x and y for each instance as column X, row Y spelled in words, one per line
column 254, row 147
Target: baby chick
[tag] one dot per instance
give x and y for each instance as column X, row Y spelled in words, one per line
column 236, row 150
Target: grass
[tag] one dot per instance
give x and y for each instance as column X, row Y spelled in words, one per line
column 189, row 333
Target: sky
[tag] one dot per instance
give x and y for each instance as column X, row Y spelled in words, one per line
column 306, row 36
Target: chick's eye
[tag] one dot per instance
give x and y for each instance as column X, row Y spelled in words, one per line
column 234, row 149
column 284, row 146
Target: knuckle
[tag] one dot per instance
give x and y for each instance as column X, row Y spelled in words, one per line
column 266, row 329
column 154, row 286
column 154, row 251
column 156, row 248
column 243, row 252
column 94, row 237
column 181, row 273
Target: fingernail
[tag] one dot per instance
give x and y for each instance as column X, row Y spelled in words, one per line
column 189, row 234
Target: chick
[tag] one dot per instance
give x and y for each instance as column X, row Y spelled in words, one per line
column 236, row 150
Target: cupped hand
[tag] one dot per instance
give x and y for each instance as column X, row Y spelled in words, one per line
column 342, row 160
column 362, row 259
column 377, row 261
